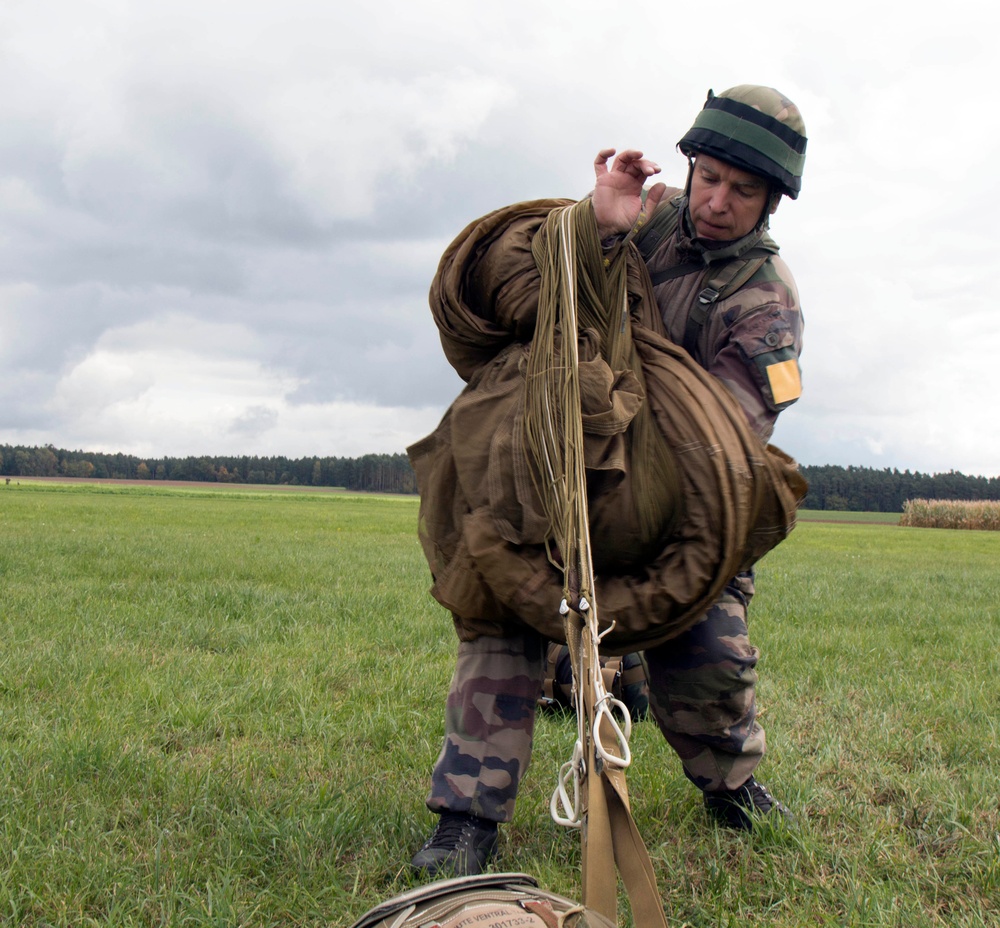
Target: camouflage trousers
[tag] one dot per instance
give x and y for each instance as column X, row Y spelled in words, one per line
column 701, row 694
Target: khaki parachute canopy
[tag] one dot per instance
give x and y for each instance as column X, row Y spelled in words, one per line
column 661, row 558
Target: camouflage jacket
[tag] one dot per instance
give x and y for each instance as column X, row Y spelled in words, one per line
column 752, row 338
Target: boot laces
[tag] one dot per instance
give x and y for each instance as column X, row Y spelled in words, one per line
column 454, row 829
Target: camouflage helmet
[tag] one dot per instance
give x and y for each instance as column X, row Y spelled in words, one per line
column 756, row 129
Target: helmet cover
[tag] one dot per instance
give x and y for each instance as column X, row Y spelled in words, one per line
column 756, row 129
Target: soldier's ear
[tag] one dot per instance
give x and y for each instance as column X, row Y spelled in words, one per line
column 773, row 206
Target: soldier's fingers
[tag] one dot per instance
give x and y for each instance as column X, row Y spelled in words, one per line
column 632, row 162
column 628, row 157
column 601, row 161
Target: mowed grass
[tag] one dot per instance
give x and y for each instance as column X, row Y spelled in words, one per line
column 832, row 515
column 222, row 707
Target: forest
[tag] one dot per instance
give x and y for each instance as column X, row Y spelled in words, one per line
column 831, row 487
column 377, row 473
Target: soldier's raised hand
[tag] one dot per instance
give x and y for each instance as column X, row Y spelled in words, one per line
column 617, row 192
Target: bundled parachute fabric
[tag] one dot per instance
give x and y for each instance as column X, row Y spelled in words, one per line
column 682, row 495
column 489, row 900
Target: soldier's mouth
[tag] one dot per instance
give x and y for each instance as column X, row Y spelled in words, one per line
column 710, row 230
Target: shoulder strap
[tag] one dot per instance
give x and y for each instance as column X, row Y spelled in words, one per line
column 728, row 279
column 730, row 276
column 661, row 225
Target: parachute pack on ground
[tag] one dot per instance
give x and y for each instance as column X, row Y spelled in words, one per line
column 489, row 900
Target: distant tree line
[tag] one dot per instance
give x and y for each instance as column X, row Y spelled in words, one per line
column 865, row 489
column 831, row 487
column 379, row 473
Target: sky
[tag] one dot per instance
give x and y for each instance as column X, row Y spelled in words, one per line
column 219, row 221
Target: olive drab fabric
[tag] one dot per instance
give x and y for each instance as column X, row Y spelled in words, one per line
column 488, row 900
column 482, row 525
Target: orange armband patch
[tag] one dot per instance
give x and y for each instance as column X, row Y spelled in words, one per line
column 784, row 381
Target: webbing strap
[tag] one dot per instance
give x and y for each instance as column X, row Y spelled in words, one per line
column 613, row 834
column 728, row 279
column 660, row 225
column 678, row 270
column 557, row 690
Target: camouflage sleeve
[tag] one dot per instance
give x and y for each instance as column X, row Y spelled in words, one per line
column 759, row 358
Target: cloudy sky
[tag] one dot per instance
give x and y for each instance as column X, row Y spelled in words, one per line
column 219, row 221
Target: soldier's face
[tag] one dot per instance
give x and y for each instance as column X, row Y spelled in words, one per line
column 725, row 202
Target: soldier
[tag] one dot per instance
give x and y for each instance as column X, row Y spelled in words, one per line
column 727, row 297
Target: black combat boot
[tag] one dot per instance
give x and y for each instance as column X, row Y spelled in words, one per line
column 740, row 807
column 461, row 845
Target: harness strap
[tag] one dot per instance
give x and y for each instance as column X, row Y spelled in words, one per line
column 659, row 226
column 558, row 690
column 728, row 279
column 678, row 270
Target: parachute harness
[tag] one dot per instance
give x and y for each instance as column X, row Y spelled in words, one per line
column 591, row 792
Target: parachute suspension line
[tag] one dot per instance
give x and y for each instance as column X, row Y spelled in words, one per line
column 554, row 433
column 577, row 295
column 553, row 427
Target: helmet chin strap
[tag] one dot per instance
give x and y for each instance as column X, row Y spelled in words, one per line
column 773, row 198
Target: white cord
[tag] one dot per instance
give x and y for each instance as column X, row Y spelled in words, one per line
column 571, row 814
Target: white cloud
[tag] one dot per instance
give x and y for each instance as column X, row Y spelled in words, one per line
column 219, row 227
column 182, row 386
column 340, row 137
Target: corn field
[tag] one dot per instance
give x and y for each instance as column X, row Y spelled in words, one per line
column 983, row 515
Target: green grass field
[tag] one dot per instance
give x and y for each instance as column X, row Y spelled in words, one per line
column 879, row 518
column 222, row 707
